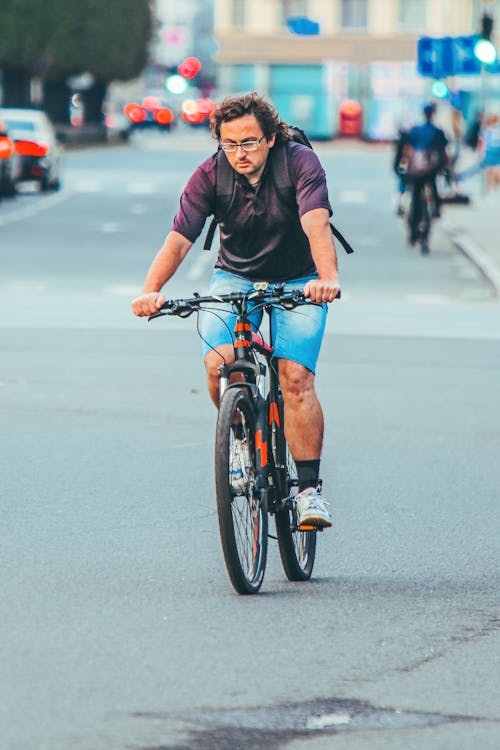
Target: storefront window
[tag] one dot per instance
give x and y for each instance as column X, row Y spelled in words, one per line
column 292, row 8
column 412, row 15
column 239, row 13
column 353, row 14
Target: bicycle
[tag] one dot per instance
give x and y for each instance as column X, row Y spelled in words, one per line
column 255, row 475
column 421, row 212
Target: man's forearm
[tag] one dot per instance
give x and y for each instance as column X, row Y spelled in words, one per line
column 166, row 262
column 325, row 258
column 316, row 225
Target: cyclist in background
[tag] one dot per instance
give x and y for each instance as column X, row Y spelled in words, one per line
column 263, row 239
column 424, row 148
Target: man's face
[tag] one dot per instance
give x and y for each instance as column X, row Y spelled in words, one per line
column 248, row 163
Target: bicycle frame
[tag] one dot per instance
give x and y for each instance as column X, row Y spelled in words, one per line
column 269, row 415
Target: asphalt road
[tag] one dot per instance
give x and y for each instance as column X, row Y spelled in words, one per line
column 119, row 627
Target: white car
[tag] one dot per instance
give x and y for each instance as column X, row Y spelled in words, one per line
column 10, row 164
column 36, row 142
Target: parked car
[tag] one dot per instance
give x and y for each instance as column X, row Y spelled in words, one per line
column 35, row 141
column 10, row 164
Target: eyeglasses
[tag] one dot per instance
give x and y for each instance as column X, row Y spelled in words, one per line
column 246, row 145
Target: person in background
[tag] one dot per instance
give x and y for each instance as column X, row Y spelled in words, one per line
column 400, row 165
column 472, row 137
column 489, row 147
column 425, row 147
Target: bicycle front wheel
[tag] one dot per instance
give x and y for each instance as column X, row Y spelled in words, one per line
column 297, row 548
column 242, row 512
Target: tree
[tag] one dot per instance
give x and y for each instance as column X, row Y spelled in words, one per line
column 22, row 42
column 55, row 39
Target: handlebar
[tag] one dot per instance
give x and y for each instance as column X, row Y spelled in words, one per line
column 183, row 308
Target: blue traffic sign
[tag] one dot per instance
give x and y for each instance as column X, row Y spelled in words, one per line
column 466, row 62
column 447, row 56
column 429, row 56
column 303, row 25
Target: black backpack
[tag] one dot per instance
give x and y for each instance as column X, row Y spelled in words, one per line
column 225, row 184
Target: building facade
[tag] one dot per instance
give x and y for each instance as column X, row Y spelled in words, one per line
column 362, row 50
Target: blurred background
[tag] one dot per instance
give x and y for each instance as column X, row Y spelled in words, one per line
column 118, row 620
column 334, row 67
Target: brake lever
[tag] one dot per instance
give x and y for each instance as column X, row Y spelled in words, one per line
column 158, row 314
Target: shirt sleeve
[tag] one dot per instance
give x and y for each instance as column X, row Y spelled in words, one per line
column 309, row 178
column 196, row 202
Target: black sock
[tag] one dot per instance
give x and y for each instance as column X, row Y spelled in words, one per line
column 307, row 473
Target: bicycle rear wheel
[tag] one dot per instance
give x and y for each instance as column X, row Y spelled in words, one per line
column 297, row 548
column 425, row 220
column 242, row 512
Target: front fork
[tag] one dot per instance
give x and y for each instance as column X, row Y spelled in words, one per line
column 254, row 374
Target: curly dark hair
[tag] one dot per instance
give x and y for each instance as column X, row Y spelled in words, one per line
column 252, row 103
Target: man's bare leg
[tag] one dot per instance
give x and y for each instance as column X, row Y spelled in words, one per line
column 304, row 425
column 304, row 422
column 224, row 354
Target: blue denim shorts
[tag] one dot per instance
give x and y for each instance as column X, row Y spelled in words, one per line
column 296, row 334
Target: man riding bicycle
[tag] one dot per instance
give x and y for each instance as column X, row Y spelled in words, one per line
column 262, row 238
column 421, row 154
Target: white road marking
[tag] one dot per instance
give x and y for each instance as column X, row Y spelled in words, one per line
column 141, row 188
column 26, row 212
column 353, row 196
column 428, row 299
column 109, row 227
column 122, row 290
column 87, row 186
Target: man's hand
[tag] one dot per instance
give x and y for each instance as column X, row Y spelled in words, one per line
column 322, row 290
column 147, row 304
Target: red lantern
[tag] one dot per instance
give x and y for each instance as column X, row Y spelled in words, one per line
column 151, row 103
column 164, row 116
column 205, row 106
column 190, row 67
column 193, row 118
column 135, row 113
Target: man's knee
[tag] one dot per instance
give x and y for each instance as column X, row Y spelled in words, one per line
column 222, row 355
column 297, row 382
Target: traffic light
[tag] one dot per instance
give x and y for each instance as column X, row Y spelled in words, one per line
column 486, row 26
column 484, row 48
column 439, row 89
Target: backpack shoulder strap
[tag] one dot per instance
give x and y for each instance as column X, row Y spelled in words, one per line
column 281, row 173
column 286, row 189
column 225, row 183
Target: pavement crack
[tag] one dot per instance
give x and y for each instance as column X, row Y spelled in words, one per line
column 467, row 636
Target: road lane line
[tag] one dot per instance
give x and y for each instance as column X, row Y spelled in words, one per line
column 141, row 188
column 87, row 186
column 26, row 212
column 357, row 197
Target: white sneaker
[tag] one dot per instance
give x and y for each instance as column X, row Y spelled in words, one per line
column 311, row 508
column 239, row 465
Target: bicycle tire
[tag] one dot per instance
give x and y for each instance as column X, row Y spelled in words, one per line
column 297, row 548
column 412, row 220
column 242, row 513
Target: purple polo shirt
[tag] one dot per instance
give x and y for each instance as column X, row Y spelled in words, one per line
column 261, row 238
